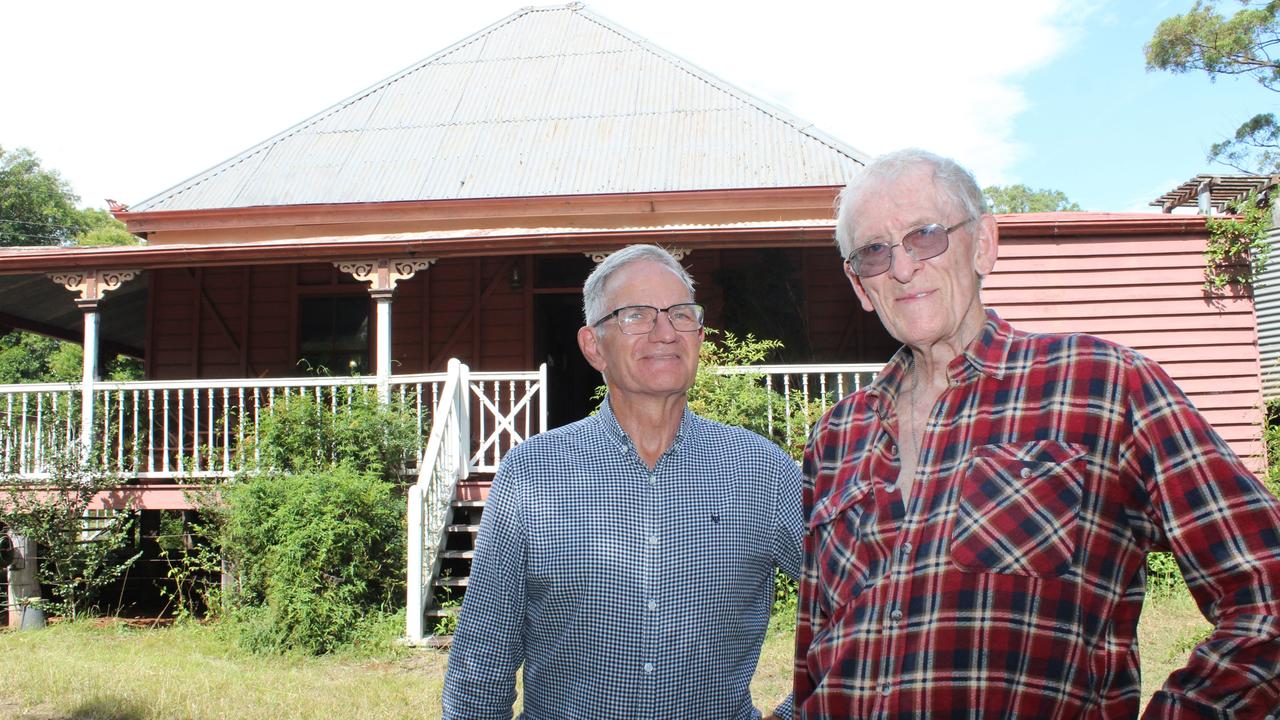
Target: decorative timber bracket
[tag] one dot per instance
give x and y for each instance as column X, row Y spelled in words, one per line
column 382, row 275
column 598, row 256
column 91, row 285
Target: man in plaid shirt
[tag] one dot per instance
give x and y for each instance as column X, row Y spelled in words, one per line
column 980, row 515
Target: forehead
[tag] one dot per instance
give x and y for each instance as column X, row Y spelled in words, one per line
column 645, row 283
column 898, row 205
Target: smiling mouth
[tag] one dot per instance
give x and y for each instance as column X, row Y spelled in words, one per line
column 916, row 295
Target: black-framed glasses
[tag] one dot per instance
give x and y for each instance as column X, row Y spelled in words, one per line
column 642, row 319
column 922, row 243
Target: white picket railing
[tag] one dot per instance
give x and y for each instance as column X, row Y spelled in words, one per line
column 176, row 428
column 796, row 389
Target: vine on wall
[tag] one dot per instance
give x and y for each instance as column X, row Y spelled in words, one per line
column 1237, row 251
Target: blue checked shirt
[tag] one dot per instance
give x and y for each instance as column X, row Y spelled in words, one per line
column 625, row 592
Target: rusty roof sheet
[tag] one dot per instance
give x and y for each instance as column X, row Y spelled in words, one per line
column 548, row 101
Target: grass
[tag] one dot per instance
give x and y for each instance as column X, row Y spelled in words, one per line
column 110, row 670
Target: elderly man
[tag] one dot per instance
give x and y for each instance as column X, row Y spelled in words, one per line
column 980, row 515
column 627, row 560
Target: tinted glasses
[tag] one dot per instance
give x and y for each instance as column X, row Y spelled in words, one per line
column 920, row 244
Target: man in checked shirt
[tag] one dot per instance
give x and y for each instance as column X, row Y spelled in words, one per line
column 979, row 516
column 627, row 560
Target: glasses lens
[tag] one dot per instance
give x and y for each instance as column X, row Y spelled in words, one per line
column 636, row 319
column 927, row 242
column 685, row 317
column 871, row 260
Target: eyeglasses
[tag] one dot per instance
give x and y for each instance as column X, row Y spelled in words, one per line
column 922, row 243
column 642, row 319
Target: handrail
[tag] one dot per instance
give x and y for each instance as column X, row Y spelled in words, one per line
column 443, row 464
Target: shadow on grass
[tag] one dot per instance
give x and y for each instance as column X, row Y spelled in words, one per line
column 106, row 708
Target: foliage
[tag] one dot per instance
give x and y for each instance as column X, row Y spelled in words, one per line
column 1204, row 40
column 315, row 552
column 193, row 566
column 300, row 433
column 1271, row 436
column 27, row 357
column 1163, row 573
column 785, row 601
column 315, row 533
column 37, row 207
column 743, row 400
column 1237, row 251
column 103, row 230
column 1022, row 199
column 79, row 552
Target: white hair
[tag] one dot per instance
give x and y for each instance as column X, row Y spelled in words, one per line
column 593, row 290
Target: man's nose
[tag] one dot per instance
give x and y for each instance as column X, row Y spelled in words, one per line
column 901, row 265
column 662, row 327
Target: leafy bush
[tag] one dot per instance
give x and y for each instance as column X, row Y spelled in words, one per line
column 314, row 552
column 80, row 552
column 315, row 534
column 299, row 433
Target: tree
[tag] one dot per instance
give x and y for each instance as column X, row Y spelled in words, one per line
column 37, row 207
column 1240, row 45
column 1022, row 199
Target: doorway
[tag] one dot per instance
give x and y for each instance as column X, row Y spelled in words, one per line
column 571, row 381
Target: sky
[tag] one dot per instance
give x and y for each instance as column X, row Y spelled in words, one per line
column 128, row 98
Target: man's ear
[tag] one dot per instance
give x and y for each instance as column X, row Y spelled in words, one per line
column 987, row 245
column 590, row 346
column 858, row 290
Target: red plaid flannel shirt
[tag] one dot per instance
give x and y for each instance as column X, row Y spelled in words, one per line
column 1010, row 583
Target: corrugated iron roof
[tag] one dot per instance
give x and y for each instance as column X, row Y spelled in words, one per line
column 549, row 101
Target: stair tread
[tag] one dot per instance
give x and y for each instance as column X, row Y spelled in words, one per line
column 442, row 611
column 463, row 528
column 451, row 581
column 458, row 554
column 468, row 503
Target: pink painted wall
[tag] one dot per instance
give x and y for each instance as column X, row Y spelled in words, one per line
column 1138, row 283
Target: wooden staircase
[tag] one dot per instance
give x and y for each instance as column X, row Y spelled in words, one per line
column 450, row 583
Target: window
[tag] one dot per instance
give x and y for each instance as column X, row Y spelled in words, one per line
column 333, row 334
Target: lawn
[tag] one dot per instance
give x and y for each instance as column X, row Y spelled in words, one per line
column 114, row 671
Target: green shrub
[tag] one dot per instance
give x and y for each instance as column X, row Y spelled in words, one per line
column 314, row 552
column 80, row 551
column 299, row 434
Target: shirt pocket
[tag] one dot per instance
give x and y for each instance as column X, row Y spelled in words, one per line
column 841, row 526
column 1019, row 509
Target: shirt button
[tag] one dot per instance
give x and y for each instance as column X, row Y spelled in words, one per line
column 906, row 548
column 1024, row 473
column 885, row 688
column 893, row 449
column 896, row 616
column 653, row 539
column 652, row 605
column 653, row 479
column 648, row 667
column 890, row 487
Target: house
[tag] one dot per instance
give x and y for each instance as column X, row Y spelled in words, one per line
column 451, row 212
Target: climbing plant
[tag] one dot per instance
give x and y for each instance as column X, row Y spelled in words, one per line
column 1237, row 251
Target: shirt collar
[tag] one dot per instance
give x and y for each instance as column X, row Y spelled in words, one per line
column 613, row 429
column 987, row 354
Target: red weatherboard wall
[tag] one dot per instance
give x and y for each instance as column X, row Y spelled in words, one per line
column 1144, row 291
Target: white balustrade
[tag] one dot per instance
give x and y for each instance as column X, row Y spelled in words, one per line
column 799, row 394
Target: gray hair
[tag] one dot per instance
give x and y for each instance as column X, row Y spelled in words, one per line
column 593, row 290
column 950, row 179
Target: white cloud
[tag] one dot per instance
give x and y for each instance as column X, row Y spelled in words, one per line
column 126, row 99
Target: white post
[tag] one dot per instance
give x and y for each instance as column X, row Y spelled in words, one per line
column 23, row 585
column 416, row 600
column 382, row 330
column 86, row 384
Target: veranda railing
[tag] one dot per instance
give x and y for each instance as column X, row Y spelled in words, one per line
column 800, row 393
column 176, row 428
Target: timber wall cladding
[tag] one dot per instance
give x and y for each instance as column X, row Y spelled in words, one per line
column 1144, row 292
